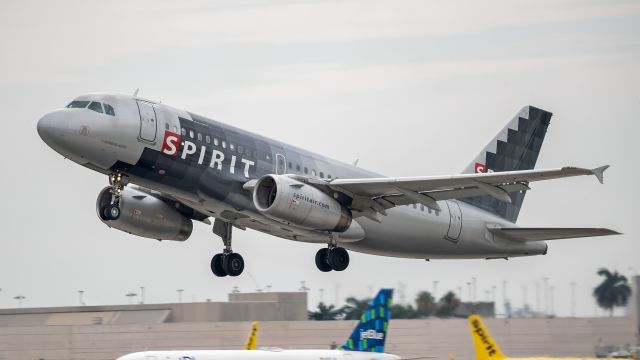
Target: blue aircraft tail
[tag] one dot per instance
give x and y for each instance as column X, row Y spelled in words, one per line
column 371, row 331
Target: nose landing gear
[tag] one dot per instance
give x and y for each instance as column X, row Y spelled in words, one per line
column 227, row 262
column 112, row 211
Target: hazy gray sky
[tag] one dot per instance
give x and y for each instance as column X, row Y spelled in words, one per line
column 408, row 87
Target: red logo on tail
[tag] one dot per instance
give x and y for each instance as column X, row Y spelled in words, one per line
column 480, row 168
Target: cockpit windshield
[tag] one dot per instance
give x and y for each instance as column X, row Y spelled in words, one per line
column 92, row 105
column 78, row 104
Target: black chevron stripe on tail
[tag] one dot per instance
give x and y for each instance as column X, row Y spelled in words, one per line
column 516, row 147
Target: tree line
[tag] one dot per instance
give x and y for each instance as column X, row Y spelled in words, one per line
column 614, row 291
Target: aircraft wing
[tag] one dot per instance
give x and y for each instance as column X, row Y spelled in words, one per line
column 379, row 194
column 540, row 234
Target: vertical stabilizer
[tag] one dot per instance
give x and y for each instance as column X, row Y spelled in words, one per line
column 371, row 332
column 486, row 348
column 516, row 147
column 252, row 340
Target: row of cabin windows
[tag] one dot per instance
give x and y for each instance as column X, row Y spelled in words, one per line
column 240, row 149
column 92, row 105
column 422, row 208
column 306, row 171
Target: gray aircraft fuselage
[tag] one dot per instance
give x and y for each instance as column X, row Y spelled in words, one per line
column 204, row 164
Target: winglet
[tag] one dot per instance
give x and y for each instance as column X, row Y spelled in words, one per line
column 599, row 173
column 251, row 340
column 486, row 348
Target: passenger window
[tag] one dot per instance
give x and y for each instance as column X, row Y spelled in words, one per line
column 290, row 165
column 268, row 157
column 321, row 174
column 215, row 141
column 328, row 176
column 297, row 167
column 240, row 149
column 95, row 106
column 421, row 207
column 208, row 139
column 108, row 109
column 306, row 170
column 199, row 137
column 415, row 206
column 191, row 135
column 175, row 129
column 232, row 147
column 78, row 104
column 429, row 210
column 184, row 132
column 224, row 144
column 166, row 126
column 313, row 172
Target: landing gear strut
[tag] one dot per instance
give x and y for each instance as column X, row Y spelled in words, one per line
column 332, row 258
column 112, row 211
column 227, row 262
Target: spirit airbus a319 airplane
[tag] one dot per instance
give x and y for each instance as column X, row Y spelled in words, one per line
column 187, row 167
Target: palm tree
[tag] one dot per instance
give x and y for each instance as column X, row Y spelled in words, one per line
column 325, row 312
column 425, row 304
column 355, row 308
column 613, row 291
column 399, row 311
column 447, row 305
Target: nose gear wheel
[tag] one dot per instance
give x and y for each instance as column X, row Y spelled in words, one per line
column 112, row 211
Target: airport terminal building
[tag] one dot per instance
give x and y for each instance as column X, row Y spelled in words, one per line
column 107, row 332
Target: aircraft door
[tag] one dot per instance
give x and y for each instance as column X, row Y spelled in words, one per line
column 281, row 164
column 148, row 122
column 455, row 221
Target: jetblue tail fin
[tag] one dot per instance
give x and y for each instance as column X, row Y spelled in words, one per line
column 516, row 147
column 371, row 332
column 486, row 348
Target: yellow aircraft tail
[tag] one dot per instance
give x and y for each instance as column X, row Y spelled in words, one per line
column 486, row 347
column 252, row 339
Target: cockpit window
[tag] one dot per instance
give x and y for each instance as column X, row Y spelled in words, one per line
column 78, row 104
column 108, row 109
column 95, row 106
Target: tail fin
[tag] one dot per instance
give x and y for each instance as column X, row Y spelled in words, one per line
column 516, row 147
column 252, row 339
column 486, row 347
column 371, row 331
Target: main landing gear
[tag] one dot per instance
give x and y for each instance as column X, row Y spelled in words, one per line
column 227, row 262
column 112, row 211
column 332, row 258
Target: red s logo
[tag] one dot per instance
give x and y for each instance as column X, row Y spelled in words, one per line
column 171, row 143
column 480, row 168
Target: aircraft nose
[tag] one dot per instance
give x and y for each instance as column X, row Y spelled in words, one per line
column 52, row 128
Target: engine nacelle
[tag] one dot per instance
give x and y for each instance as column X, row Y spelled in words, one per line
column 145, row 215
column 285, row 199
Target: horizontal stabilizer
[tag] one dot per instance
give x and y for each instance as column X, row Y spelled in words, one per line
column 540, row 234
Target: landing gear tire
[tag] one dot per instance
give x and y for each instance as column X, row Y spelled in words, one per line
column 322, row 260
column 112, row 212
column 216, row 265
column 338, row 258
column 233, row 264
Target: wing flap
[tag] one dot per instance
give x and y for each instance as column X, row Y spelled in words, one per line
column 541, row 234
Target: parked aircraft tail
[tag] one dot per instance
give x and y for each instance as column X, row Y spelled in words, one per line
column 371, row 332
column 486, row 348
column 516, row 147
column 253, row 337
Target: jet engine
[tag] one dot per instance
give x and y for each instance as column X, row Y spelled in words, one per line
column 145, row 215
column 285, row 199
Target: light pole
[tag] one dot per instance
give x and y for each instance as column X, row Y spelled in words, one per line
column 468, row 291
column 303, row 286
column 321, row 295
column 19, row 298
column 131, row 295
column 141, row 294
column 474, row 283
column 435, row 289
column 180, row 295
column 573, row 299
column 268, row 288
column 80, row 295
